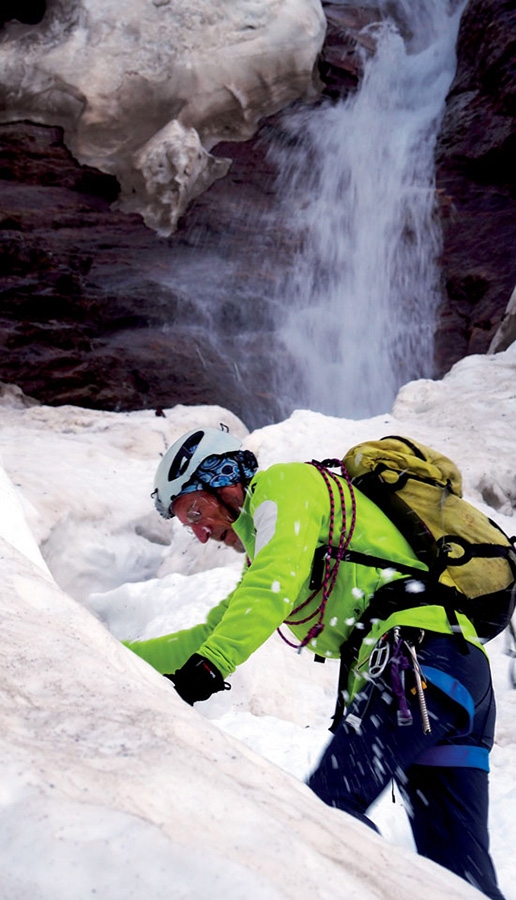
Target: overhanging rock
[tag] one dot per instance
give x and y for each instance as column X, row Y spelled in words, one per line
column 146, row 89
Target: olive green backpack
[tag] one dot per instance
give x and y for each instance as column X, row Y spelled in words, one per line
column 420, row 490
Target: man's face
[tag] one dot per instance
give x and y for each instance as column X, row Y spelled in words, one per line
column 207, row 517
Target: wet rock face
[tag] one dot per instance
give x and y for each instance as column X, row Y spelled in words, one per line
column 340, row 64
column 476, row 179
column 97, row 310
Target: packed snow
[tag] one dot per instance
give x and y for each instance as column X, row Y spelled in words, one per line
column 111, row 786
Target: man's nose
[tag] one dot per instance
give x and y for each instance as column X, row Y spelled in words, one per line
column 202, row 533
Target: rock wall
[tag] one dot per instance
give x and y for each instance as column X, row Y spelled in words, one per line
column 99, row 311
column 476, row 180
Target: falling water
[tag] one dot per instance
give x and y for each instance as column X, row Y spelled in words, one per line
column 358, row 189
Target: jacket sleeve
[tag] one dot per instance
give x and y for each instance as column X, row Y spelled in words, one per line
column 280, row 571
column 287, row 517
column 169, row 652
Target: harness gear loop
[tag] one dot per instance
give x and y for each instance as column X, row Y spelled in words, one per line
column 338, row 554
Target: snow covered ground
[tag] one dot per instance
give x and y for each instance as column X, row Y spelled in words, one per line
column 110, row 785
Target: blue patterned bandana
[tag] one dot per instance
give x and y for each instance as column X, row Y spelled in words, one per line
column 221, row 470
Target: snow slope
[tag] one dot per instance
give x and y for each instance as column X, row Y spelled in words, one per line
column 110, row 785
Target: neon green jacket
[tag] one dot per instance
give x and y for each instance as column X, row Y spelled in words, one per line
column 286, row 516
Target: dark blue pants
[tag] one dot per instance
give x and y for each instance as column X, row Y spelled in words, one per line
column 442, row 776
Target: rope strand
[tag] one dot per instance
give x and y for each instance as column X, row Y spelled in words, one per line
column 330, row 573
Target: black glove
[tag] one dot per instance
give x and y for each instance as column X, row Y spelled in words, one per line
column 198, row 679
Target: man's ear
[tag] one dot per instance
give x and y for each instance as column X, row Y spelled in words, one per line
column 232, row 497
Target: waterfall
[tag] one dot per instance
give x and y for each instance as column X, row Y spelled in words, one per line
column 360, row 298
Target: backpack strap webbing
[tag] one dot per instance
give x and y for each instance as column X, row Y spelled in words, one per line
column 443, row 544
column 362, row 559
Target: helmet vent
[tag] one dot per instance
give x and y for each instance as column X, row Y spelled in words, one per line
column 184, row 455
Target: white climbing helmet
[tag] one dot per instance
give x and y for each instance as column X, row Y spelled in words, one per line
column 181, row 461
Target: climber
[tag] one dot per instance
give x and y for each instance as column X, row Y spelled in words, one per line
column 434, row 741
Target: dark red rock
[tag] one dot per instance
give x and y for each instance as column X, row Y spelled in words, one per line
column 341, row 62
column 476, row 179
column 96, row 310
